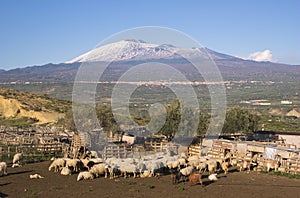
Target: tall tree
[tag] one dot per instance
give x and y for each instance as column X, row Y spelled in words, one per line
column 240, row 120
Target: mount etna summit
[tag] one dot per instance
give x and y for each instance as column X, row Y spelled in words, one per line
column 127, row 53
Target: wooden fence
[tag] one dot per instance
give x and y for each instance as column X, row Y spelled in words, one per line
column 125, row 151
column 115, row 150
column 289, row 157
column 31, row 152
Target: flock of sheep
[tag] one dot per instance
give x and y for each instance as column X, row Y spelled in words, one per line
column 180, row 167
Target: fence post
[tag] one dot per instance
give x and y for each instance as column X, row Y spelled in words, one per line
column 8, row 152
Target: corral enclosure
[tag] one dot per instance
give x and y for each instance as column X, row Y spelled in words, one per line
column 47, row 143
column 44, row 142
column 36, row 144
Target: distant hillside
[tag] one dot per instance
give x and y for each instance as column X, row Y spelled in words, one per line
column 22, row 108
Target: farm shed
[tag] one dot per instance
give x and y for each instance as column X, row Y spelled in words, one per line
column 288, row 138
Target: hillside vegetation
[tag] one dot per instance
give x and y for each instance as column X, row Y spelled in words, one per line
column 19, row 108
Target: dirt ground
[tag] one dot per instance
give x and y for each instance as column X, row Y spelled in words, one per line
column 235, row 184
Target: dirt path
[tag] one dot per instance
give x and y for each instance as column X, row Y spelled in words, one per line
column 18, row 184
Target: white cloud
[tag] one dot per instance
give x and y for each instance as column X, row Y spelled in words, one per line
column 262, row 56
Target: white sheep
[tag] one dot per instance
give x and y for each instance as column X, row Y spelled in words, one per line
column 3, row 168
column 187, row 170
column 173, row 164
column 17, row 158
column 85, row 175
column 182, row 162
column 88, row 163
column 212, row 166
column 141, row 166
column 92, row 154
column 112, row 169
column 201, row 166
column 57, row 164
column 65, row 171
column 128, row 168
column 155, row 165
column 99, row 169
column 193, row 158
column 75, row 164
column 213, row 177
column 16, row 165
column 35, row 176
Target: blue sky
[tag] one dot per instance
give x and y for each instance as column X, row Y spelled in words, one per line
column 37, row 32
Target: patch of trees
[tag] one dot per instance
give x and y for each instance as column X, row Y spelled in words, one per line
column 240, row 119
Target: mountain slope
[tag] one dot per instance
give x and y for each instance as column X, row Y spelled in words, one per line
column 128, row 50
column 17, row 105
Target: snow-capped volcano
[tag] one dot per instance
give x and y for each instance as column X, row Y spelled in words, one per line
column 127, row 50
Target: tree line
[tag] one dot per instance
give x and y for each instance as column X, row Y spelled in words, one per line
column 237, row 119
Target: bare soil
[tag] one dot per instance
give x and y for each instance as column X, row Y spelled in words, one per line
column 234, row 184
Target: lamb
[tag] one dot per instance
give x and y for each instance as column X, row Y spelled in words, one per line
column 65, row 171
column 213, row 177
column 17, row 158
column 35, row 176
column 57, row 164
column 3, row 168
column 85, row 175
column 99, row 169
column 16, row 165
column 194, row 178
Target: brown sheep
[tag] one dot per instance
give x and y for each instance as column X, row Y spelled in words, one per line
column 195, row 177
column 174, row 178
